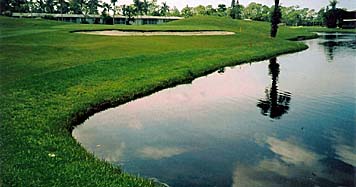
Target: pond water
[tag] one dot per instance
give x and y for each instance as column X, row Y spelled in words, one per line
column 288, row 121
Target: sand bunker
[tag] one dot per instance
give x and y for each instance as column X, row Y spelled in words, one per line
column 156, row 33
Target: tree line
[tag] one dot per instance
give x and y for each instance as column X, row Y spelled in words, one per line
column 138, row 7
column 293, row 15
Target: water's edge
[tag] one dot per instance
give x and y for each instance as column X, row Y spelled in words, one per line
column 81, row 116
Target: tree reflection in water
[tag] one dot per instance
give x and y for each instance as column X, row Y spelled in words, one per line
column 276, row 102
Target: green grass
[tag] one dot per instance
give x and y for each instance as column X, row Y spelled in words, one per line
column 52, row 79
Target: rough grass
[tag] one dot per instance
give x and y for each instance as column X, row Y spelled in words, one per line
column 52, row 79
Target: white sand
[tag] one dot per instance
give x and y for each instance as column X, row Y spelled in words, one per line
column 161, row 33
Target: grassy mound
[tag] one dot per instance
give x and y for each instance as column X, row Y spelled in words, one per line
column 52, row 79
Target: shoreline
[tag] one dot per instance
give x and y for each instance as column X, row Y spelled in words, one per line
column 82, row 116
column 40, row 111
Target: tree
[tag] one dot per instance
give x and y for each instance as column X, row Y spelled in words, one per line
column 138, row 7
column 4, row 6
column 265, row 13
column 164, row 9
column 199, row 10
column 113, row 2
column 256, row 11
column 123, row 10
column 107, row 19
column 320, row 16
column 145, row 6
column 291, row 15
column 222, row 9
column 49, row 6
column 235, row 10
column 275, row 19
column 18, row 6
column 31, row 6
column 93, row 6
column 233, row 3
column 154, row 8
column 276, row 102
column 210, row 10
column 40, row 6
column 130, row 11
column 187, row 11
column 332, row 16
column 174, row 12
column 76, row 6
column 62, row 7
column 333, row 4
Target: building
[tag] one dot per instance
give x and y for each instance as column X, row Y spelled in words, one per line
column 349, row 20
column 349, row 24
column 79, row 18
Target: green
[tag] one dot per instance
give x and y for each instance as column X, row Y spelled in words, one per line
column 52, row 79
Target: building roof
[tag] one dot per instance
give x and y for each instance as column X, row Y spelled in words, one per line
column 17, row 14
column 349, row 20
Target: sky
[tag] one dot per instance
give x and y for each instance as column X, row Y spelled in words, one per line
column 312, row 4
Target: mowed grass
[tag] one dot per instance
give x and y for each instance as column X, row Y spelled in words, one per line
column 52, row 79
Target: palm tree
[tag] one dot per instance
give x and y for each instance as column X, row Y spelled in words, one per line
column 49, row 6
column 41, row 6
column 76, row 6
column 145, row 6
column 106, row 8
column 129, row 11
column 113, row 2
column 276, row 102
column 233, row 3
column 332, row 16
column 93, row 6
column 61, row 4
column 333, row 4
column 164, row 9
column 31, row 6
column 275, row 19
column 138, row 6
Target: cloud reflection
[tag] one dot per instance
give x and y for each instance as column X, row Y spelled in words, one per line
column 342, row 147
column 293, row 165
column 291, row 153
column 156, row 153
column 113, row 155
column 346, row 153
column 134, row 123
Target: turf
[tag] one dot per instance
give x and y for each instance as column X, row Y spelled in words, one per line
column 52, row 79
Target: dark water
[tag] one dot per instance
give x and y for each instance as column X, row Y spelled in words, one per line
column 288, row 121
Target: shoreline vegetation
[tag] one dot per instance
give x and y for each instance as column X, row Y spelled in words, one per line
column 52, row 80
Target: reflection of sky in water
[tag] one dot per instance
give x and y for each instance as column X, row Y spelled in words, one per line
column 295, row 165
column 212, row 133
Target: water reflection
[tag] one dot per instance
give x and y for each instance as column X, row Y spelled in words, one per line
column 221, row 70
column 276, row 102
column 329, row 49
column 209, row 133
column 293, row 164
column 156, row 153
column 332, row 42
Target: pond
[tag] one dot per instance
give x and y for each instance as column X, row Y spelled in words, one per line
column 287, row 121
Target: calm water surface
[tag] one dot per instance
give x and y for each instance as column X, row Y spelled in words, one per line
column 288, row 121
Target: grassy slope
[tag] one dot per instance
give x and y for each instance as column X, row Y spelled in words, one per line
column 51, row 78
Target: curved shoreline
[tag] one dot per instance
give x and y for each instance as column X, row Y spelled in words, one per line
column 81, row 116
column 40, row 110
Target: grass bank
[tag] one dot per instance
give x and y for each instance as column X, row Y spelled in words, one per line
column 52, row 79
